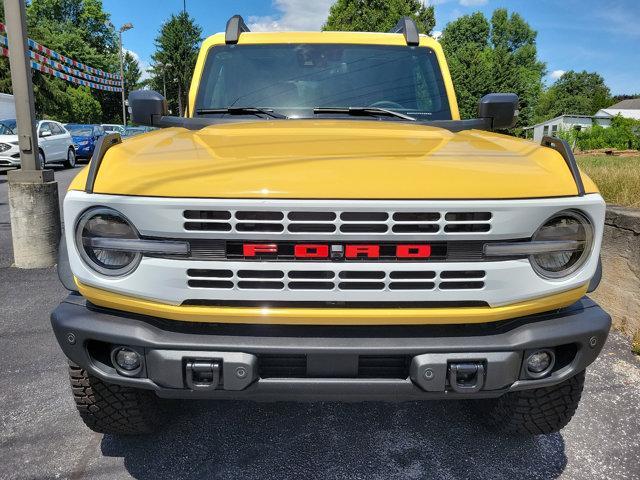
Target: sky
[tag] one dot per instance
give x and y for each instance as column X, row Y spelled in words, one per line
column 595, row 35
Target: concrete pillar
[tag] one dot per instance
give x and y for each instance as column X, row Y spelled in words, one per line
column 35, row 223
column 33, row 194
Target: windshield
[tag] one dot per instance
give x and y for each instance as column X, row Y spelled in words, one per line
column 80, row 130
column 8, row 127
column 296, row 78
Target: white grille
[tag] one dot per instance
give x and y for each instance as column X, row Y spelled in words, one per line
column 176, row 281
column 345, row 223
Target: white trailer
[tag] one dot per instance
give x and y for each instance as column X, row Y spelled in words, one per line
column 7, row 106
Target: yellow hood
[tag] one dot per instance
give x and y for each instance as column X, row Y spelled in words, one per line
column 331, row 159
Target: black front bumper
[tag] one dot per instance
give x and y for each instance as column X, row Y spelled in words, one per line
column 266, row 362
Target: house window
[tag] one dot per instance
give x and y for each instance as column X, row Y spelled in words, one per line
column 554, row 130
column 545, row 130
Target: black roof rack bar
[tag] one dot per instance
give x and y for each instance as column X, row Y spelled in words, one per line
column 564, row 149
column 408, row 27
column 104, row 144
column 235, row 26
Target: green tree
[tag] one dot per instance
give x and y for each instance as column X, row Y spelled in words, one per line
column 497, row 55
column 177, row 47
column 378, row 15
column 578, row 93
column 79, row 29
column 83, row 107
column 132, row 73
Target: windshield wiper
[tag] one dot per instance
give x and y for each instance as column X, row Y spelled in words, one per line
column 241, row 111
column 372, row 111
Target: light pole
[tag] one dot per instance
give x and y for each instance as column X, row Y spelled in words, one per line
column 164, row 67
column 33, row 192
column 123, row 28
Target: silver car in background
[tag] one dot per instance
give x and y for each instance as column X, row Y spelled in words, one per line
column 55, row 144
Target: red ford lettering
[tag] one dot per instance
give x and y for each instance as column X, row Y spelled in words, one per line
column 308, row 250
column 255, row 249
column 362, row 251
column 413, row 251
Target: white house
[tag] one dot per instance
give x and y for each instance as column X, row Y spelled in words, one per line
column 629, row 108
column 566, row 122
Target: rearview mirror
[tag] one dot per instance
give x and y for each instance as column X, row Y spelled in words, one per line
column 500, row 108
column 147, row 107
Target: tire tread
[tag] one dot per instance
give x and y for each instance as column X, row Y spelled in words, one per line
column 113, row 409
column 537, row 411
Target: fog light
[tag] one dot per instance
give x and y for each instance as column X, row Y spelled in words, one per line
column 126, row 361
column 539, row 363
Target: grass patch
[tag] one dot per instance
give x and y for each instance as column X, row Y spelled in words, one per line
column 635, row 343
column 618, row 178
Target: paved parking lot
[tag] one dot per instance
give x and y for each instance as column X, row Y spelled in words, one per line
column 42, row 437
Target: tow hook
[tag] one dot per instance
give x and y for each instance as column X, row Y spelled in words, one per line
column 202, row 374
column 466, row 377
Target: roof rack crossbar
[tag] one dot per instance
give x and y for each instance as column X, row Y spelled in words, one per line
column 408, row 27
column 562, row 146
column 235, row 26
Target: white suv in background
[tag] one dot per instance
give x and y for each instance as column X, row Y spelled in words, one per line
column 55, row 144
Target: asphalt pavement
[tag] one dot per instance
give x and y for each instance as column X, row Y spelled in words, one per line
column 42, row 437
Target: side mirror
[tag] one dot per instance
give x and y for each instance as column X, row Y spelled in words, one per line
column 147, row 107
column 500, row 108
column 45, row 133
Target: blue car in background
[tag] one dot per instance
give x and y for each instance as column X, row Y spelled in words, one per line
column 85, row 138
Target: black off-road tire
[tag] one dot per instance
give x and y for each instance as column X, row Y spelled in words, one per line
column 113, row 409
column 534, row 412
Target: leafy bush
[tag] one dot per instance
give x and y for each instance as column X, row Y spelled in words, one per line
column 623, row 134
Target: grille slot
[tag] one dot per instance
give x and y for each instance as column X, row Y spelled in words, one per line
column 362, row 275
column 467, row 216
column 308, row 274
column 364, row 216
column 463, row 274
column 412, row 285
column 461, row 285
column 416, row 216
column 467, row 228
column 207, row 227
column 260, row 274
column 363, row 228
column 380, row 366
column 250, row 215
column 361, row 285
column 415, row 228
column 226, row 284
column 282, row 366
column 311, row 285
column 259, row 227
column 196, row 272
column 260, row 285
column 312, row 216
column 207, row 214
column 312, row 228
column 411, row 275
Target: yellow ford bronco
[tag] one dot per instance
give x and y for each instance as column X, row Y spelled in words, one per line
column 322, row 225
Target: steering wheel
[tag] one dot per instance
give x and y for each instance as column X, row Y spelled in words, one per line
column 386, row 104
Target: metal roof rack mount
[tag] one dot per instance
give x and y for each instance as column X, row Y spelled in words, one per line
column 562, row 146
column 408, row 27
column 235, row 26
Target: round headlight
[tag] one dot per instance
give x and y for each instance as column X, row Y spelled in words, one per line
column 100, row 223
column 568, row 225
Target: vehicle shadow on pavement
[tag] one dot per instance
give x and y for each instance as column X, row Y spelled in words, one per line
column 333, row 440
